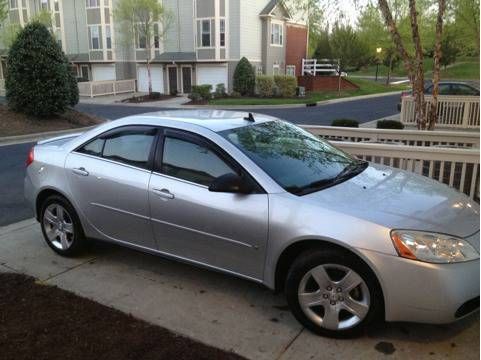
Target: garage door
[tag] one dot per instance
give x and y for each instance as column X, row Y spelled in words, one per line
column 157, row 79
column 212, row 75
column 103, row 72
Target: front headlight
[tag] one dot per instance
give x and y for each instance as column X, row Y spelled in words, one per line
column 432, row 247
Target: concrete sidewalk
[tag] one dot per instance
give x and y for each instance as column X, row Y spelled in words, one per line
column 216, row 309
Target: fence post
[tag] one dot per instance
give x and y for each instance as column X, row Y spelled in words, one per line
column 466, row 112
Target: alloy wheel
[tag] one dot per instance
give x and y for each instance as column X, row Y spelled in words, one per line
column 58, row 226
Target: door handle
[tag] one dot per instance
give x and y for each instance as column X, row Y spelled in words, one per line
column 80, row 171
column 163, row 193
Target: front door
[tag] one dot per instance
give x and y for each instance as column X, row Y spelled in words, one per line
column 186, row 80
column 222, row 230
column 109, row 178
column 172, row 80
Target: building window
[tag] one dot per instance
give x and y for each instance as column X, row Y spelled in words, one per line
column 106, row 3
column 108, row 37
column 222, row 32
column 141, row 39
column 259, row 70
column 58, row 37
column 92, row 3
column 205, row 34
column 275, row 69
column 13, row 4
column 44, row 5
column 277, row 34
column 55, row 6
column 291, row 70
column 156, row 36
column 94, row 37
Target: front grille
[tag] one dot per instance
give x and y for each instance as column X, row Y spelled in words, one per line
column 468, row 307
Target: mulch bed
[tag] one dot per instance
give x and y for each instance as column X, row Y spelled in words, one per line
column 148, row 98
column 200, row 102
column 44, row 322
column 13, row 123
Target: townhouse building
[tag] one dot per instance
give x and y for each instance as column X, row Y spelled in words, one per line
column 203, row 44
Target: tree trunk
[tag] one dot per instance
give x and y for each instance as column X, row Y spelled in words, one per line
column 150, row 77
column 418, row 88
column 388, row 79
column 432, row 116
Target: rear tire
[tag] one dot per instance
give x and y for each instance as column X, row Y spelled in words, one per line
column 61, row 226
column 333, row 293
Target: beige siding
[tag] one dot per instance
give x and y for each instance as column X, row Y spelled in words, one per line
column 251, row 29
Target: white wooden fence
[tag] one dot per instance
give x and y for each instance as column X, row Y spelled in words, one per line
column 400, row 137
column 112, row 87
column 453, row 111
column 321, row 66
column 2, row 86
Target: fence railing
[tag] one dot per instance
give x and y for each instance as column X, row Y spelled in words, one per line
column 318, row 66
column 2, row 86
column 458, row 168
column 452, row 111
column 401, row 137
column 112, row 87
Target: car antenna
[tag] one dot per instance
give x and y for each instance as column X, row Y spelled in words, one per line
column 250, row 118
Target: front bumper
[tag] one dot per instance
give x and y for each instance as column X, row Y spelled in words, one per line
column 427, row 293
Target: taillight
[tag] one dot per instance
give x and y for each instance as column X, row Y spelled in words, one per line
column 405, row 93
column 30, row 157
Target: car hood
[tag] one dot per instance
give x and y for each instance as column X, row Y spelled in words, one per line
column 399, row 199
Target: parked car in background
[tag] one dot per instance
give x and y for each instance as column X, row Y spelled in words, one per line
column 348, row 241
column 453, row 88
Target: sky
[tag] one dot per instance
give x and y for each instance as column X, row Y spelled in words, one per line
column 348, row 8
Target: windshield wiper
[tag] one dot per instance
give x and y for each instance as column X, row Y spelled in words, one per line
column 352, row 169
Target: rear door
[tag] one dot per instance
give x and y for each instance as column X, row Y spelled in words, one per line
column 109, row 178
column 222, row 230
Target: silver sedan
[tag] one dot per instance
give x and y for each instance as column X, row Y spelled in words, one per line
column 256, row 197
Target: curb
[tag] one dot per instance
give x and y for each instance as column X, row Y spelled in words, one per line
column 22, row 139
column 247, row 107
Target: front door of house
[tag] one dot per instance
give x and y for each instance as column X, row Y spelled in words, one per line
column 173, row 80
column 186, row 80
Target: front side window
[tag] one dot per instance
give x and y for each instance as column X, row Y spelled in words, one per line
column 297, row 160
column 277, row 34
column 94, row 37
column 192, row 162
column 205, row 34
column 460, row 89
column 128, row 146
column 222, row 32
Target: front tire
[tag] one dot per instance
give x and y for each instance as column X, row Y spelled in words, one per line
column 333, row 293
column 61, row 226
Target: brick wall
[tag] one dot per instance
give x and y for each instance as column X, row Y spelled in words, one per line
column 319, row 83
column 296, row 46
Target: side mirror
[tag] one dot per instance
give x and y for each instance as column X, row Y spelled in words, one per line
column 230, row 183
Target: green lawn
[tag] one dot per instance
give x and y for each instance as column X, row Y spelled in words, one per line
column 366, row 87
column 461, row 71
column 397, row 71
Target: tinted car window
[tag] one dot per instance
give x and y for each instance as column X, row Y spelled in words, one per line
column 128, row 146
column 460, row 89
column 93, row 148
column 189, row 161
column 444, row 89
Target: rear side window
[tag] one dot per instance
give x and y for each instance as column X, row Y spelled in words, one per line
column 130, row 146
column 192, row 162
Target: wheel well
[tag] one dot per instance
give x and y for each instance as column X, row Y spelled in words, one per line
column 294, row 250
column 42, row 196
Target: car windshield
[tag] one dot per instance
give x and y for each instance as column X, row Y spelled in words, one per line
column 297, row 160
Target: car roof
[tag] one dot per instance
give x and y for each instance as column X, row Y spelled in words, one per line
column 215, row 120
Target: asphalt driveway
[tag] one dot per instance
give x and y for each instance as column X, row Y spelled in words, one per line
column 217, row 309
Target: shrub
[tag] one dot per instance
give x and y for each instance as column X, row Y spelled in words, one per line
column 38, row 80
column 265, row 85
column 244, row 78
column 286, row 85
column 389, row 124
column 201, row 92
column 220, row 90
column 345, row 123
column 235, row 94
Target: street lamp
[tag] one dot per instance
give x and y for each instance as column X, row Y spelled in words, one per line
column 378, row 51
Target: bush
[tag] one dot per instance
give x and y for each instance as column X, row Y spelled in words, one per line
column 220, row 90
column 345, row 123
column 265, row 85
column 286, row 85
column 244, row 78
column 389, row 124
column 38, row 80
column 201, row 92
column 235, row 94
